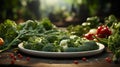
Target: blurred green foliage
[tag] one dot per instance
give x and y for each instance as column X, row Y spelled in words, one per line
column 57, row 10
column 19, row 9
column 8, row 9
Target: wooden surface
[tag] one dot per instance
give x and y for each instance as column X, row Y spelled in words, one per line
column 92, row 61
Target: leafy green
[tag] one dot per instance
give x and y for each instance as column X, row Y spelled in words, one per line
column 47, row 24
column 52, row 38
column 33, row 46
column 116, row 57
column 49, row 48
column 8, row 31
column 80, row 30
column 41, row 36
column 92, row 22
column 110, row 20
column 114, row 39
column 14, row 34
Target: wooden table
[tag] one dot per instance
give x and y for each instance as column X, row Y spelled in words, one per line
column 92, row 61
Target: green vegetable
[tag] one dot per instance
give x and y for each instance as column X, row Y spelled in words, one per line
column 47, row 24
column 33, row 46
column 71, row 49
column 49, row 48
column 114, row 41
column 110, row 20
column 42, row 36
column 91, row 45
column 78, row 30
column 14, row 34
column 104, row 41
column 52, row 38
column 83, row 48
column 8, row 31
column 92, row 22
column 35, row 43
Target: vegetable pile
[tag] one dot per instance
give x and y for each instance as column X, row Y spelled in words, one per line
column 44, row 36
column 13, row 33
column 107, row 33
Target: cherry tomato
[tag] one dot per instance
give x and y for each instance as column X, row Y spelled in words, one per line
column 28, row 58
column 89, row 36
column 1, row 41
column 84, row 59
column 20, row 56
column 12, row 62
column 11, row 55
column 108, row 59
column 75, row 62
column 14, row 58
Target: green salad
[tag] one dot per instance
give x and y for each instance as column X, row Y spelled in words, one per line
column 59, row 43
column 42, row 36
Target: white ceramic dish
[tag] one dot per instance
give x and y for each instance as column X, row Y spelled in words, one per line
column 61, row 54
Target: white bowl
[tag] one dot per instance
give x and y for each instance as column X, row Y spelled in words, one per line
column 61, row 54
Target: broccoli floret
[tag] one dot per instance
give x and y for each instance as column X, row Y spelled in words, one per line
column 26, row 45
column 49, row 48
column 71, row 43
column 33, row 46
column 47, row 24
column 51, row 38
column 39, row 46
column 35, row 39
column 74, row 41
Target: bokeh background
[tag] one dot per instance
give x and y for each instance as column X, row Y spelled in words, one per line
column 60, row 12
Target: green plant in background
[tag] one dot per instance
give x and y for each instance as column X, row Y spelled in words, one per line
column 57, row 10
column 9, row 9
column 19, row 9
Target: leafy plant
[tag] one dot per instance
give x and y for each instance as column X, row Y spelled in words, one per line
column 14, row 34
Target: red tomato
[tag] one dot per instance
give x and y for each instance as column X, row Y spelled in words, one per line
column 89, row 36
column 12, row 62
column 14, row 58
column 108, row 59
column 20, row 56
column 103, row 31
column 28, row 58
column 75, row 62
column 84, row 59
column 1, row 41
column 11, row 55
